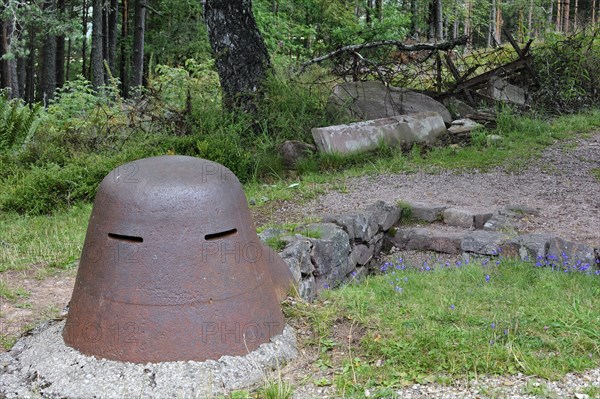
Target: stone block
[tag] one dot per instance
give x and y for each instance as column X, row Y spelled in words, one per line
column 458, row 218
column 486, row 242
column 423, row 127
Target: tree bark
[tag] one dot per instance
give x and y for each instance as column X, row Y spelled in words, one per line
column 30, row 79
column 97, row 45
column 241, row 56
column 491, row 39
column 566, row 15
column 575, row 11
column 60, row 50
column 499, row 22
column 414, row 19
column 138, row 43
column 113, row 17
column 124, row 48
column 9, row 66
column 48, row 75
column 84, row 22
column 439, row 21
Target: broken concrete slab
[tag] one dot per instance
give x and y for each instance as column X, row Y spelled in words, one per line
column 464, row 126
column 501, row 90
column 423, row 127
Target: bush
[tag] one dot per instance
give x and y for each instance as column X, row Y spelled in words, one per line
column 567, row 70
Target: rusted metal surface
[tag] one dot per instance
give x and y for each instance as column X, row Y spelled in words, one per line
column 172, row 268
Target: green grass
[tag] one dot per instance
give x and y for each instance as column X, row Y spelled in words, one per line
column 596, row 173
column 423, row 326
column 50, row 241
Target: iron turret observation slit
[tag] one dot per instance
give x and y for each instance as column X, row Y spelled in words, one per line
column 122, row 237
column 221, row 234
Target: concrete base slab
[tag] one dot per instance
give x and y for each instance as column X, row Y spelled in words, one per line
column 41, row 365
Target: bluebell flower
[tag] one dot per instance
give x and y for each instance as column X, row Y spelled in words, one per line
column 487, row 278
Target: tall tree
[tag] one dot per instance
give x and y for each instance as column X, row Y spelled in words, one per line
column 566, row 15
column 97, row 45
column 240, row 53
column 112, row 33
column 60, row 49
column 48, row 78
column 138, row 43
column 9, row 62
column 124, row 48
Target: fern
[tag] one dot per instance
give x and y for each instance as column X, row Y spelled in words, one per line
column 18, row 122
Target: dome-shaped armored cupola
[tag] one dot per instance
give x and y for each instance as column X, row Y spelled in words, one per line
column 172, row 268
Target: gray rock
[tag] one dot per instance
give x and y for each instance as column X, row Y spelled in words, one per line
column 458, row 109
column 360, row 227
column 384, row 214
column 485, row 242
column 374, row 100
column 533, row 246
column 426, row 212
column 423, row 127
column 362, row 254
column 481, row 219
column 503, row 221
column 376, row 242
column 459, row 218
column 463, row 126
column 307, row 288
column 291, row 151
column 501, row 90
column 423, row 239
column 330, row 252
column 297, row 255
column 568, row 253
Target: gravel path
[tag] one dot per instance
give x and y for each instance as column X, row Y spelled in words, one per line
column 561, row 184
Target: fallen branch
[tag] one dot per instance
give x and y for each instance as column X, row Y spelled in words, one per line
column 353, row 48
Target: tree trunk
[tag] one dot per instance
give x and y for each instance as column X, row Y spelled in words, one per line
column 550, row 12
column 593, row 11
column 22, row 75
column 48, row 73
column 379, row 10
column 467, row 25
column 9, row 66
column 439, row 21
column 124, row 48
column 491, row 39
column 113, row 18
column 414, row 19
column 499, row 22
column 566, row 15
column 575, row 11
column 97, row 45
column 558, row 16
column 241, row 56
column 84, row 22
column 138, row 43
column 30, row 80
column 369, row 12
column 60, row 50
column 530, row 19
